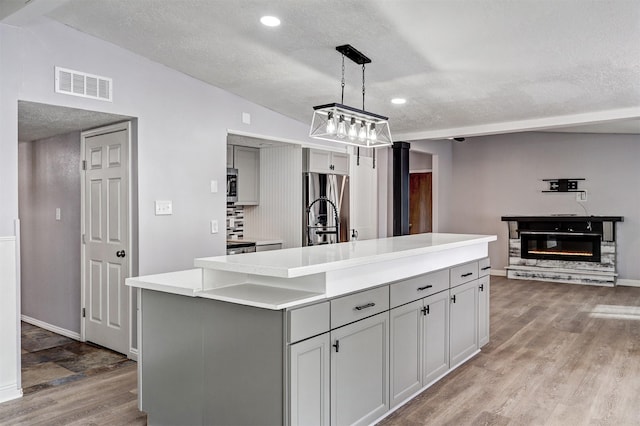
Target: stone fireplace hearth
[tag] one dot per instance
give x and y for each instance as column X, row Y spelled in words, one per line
column 563, row 248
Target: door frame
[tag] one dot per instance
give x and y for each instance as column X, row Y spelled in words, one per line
column 126, row 126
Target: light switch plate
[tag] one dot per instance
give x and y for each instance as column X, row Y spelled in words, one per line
column 214, row 226
column 214, row 186
column 58, row 213
column 246, row 118
column 164, row 207
column 581, row 196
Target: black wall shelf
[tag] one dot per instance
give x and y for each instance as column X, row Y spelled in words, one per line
column 563, row 185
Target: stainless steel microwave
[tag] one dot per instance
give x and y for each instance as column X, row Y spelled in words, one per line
column 232, row 185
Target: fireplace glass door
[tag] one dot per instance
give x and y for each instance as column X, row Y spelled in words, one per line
column 568, row 246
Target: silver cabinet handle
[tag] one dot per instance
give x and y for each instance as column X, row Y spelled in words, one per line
column 368, row 305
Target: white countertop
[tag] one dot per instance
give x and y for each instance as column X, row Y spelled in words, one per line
column 287, row 278
column 296, row 262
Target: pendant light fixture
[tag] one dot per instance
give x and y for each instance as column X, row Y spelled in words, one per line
column 341, row 123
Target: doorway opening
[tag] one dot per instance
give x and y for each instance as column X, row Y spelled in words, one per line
column 49, row 204
column 420, row 193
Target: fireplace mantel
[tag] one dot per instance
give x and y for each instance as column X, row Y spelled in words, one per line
column 563, row 248
column 563, row 218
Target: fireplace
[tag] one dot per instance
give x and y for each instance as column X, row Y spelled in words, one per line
column 563, row 248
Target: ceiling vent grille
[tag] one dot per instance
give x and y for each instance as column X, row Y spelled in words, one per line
column 78, row 83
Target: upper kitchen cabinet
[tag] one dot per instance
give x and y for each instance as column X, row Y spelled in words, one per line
column 328, row 162
column 229, row 156
column 247, row 161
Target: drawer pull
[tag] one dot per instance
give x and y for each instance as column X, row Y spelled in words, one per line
column 485, row 268
column 368, row 305
column 425, row 287
column 466, row 275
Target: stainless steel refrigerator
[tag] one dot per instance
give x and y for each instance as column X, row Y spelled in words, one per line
column 325, row 209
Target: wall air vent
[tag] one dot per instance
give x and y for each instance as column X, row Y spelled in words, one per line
column 78, row 83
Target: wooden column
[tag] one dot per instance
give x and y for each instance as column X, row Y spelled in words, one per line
column 401, row 188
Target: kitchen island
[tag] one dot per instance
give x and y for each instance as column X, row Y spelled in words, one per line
column 333, row 334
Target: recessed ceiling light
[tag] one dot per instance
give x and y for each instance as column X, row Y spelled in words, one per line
column 270, row 21
column 398, row 101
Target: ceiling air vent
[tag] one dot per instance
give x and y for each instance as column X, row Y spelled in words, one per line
column 78, row 83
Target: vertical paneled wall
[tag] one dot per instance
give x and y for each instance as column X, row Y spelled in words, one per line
column 279, row 214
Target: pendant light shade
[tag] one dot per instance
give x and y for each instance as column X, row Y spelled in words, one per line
column 341, row 123
column 369, row 130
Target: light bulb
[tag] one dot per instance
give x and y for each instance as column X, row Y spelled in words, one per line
column 362, row 133
column 373, row 135
column 331, row 124
column 352, row 129
column 342, row 131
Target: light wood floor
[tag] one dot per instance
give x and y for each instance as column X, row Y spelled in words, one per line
column 559, row 354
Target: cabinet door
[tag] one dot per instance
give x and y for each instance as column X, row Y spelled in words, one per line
column 230, row 156
column 463, row 323
column 319, row 161
column 309, row 381
column 483, row 310
column 435, row 337
column 247, row 161
column 405, row 351
column 339, row 163
column 360, row 371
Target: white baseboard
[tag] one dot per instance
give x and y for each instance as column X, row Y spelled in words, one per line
column 54, row 328
column 499, row 272
column 7, row 393
column 628, row 283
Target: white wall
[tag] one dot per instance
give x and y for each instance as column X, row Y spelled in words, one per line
column 419, row 162
column 9, row 354
column 181, row 136
column 501, row 175
column 279, row 214
column 49, row 178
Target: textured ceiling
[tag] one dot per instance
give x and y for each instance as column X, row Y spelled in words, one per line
column 39, row 121
column 461, row 64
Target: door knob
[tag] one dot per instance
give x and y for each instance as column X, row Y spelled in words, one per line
column 120, row 253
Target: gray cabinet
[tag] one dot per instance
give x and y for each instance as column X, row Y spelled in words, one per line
column 327, row 162
column 309, row 382
column 463, row 326
column 483, row 310
column 405, row 351
column 419, row 345
column 247, row 161
column 435, row 337
column 360, row 371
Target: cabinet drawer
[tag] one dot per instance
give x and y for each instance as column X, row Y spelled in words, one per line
column 308, row 321
column 359, row 305
column 484, row 267
column 418, row 287
column 464, row 273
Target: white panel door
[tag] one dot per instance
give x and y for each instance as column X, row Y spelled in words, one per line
column 106, row 299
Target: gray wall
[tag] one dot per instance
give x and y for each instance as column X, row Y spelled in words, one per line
column 49, row 178
column 502, row 175
column 419, row 162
